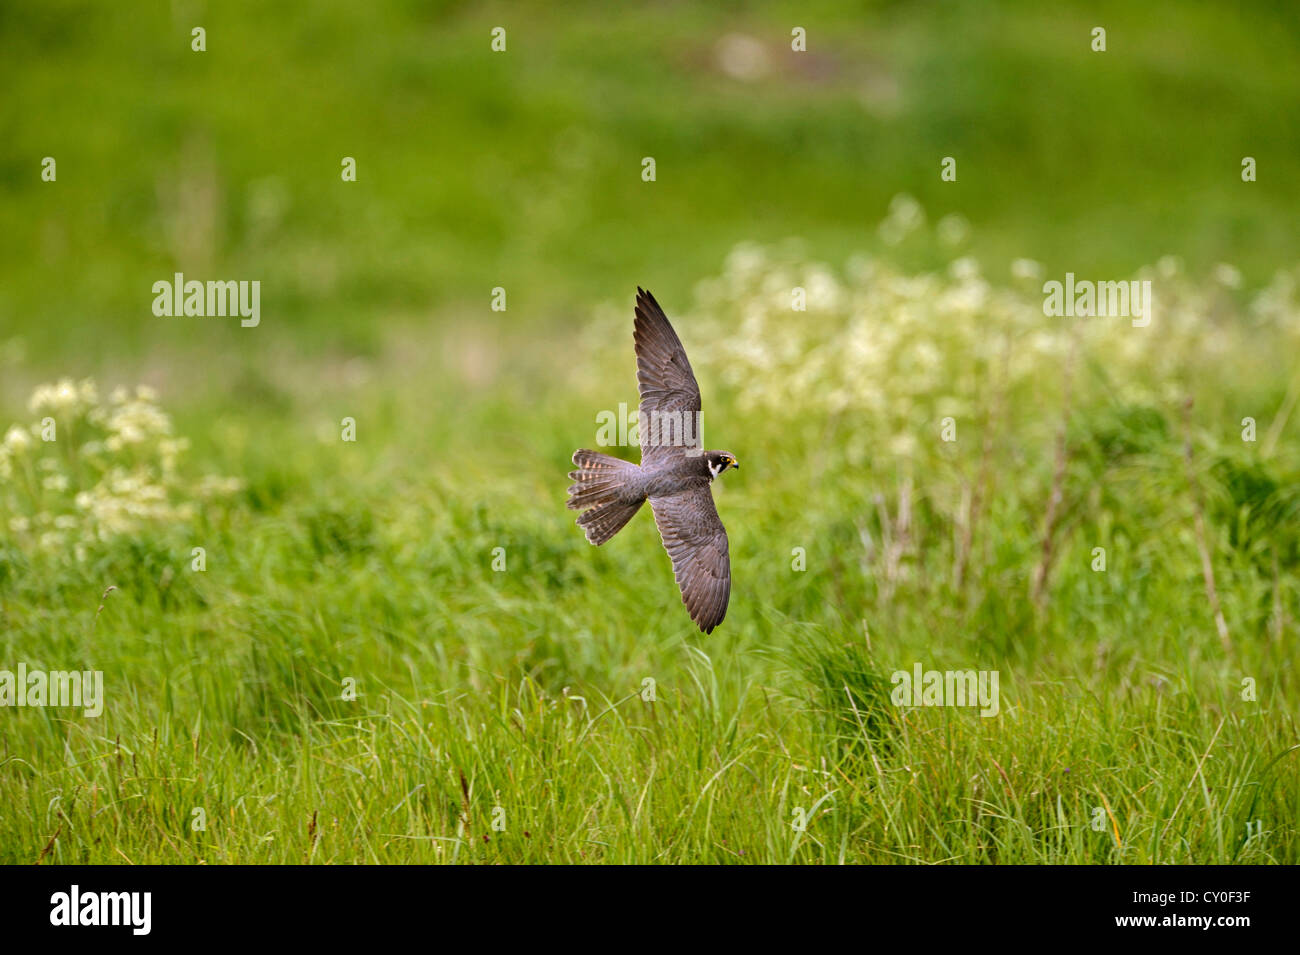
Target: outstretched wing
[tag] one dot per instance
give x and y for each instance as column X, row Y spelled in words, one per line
column 696, row 541
column 670, row 397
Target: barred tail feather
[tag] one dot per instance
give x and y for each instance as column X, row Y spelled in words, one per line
column 598, row 491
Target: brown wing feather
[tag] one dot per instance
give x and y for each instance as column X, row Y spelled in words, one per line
column 696, row 541
column 664, row 379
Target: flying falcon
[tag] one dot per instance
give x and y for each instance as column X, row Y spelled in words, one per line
column 674, row 474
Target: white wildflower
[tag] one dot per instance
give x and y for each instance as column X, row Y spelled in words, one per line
column 1227, row 275
column 1026, row 270
column 906, row 211
column 42, row 399
column 65, row 396
column 953, row 229
column 17, row 439
column 964, row 269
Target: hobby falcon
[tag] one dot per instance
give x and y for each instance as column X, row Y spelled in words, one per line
column 674, row 474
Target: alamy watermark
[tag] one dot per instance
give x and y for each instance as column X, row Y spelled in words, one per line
column 674, row 429
column 208, row 299
column 130, row 909
column 64, row 688
column 922, row 687
column 1087, row 299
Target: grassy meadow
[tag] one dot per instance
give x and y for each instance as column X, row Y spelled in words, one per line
column 324, row 564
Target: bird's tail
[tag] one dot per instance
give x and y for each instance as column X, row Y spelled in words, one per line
column 599, row 489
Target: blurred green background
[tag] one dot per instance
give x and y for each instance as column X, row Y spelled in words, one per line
column 522, row 170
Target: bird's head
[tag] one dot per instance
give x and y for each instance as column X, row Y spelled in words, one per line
column 720, row 461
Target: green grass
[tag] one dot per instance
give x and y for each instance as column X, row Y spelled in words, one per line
column 522, row 689
column 1124, row 733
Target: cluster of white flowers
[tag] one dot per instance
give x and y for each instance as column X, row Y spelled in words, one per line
column 902, row 351
column 1279, row 303
column 87, row 471
column 896, row 347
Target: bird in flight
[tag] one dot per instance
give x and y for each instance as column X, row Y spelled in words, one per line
column 674, row 475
